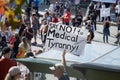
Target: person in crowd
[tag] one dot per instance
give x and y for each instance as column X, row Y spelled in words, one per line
column 68, row 5
column 21, row 30
column 47, row 2
column 16, row 45
column 57, row 11
column 60, row 19
column 25, row 72
column 28, row 32
column 73, row 21
column 117, row 9
column 59, row 69
column 24, row 47
column 11, row 40
column 14, row 73
column 118, row 32
column 48, row 17
column 66, row 17
column 36, row 5
column 54, row 18
column 97, row 9
column 102, row 7
column 6, row 62
column 28, row 10
column 79, row 18
column 35, row 26
column 91, row 7
column 4, row 38
column 13, row 43
column 106, row 31
column 62, row 7
column 90, row 32
column 118, row 38
column 93, row 17
column 29, row 54
column 2, row 43
column 25, row 18
column 118, row 23
column 43, row 31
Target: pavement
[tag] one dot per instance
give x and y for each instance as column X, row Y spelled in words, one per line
column 98, row 38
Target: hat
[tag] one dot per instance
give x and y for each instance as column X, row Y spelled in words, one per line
column 14, row 70
column 57, row 66
column 5, row 50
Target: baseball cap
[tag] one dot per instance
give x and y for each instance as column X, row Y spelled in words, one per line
column 57, row 66
column 14, row 70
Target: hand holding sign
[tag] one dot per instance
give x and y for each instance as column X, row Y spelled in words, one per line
column 64, row 52
column 63, row 58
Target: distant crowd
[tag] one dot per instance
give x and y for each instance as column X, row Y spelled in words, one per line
column 17, row 43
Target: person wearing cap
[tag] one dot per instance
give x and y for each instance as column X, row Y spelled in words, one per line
column 14, row 73
column 5, row 62
column 59, row 69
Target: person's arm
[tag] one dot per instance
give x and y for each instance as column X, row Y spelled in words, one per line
column 63, row 59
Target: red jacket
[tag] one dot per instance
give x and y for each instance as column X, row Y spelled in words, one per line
column 54, row 20
column 5, row 65
column 66, row 16
column 11, row 40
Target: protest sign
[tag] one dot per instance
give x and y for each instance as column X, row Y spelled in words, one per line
column 61, row 37
column 105, row 12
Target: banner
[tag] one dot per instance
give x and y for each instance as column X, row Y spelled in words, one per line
column 105, row 12
column 106, row 1
column 62, row 37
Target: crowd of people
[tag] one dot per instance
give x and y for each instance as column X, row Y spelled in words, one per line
column 94, row 10
column 17, row 43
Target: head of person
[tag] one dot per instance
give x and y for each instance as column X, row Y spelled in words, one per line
column 34, row 15
column 46, row 14
column 44, row 22
column 79, row 12
column 29, row 54
column 28, row 24
column 14, row 73
column 6, row 52
column 24, row 39
column 58, row 70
